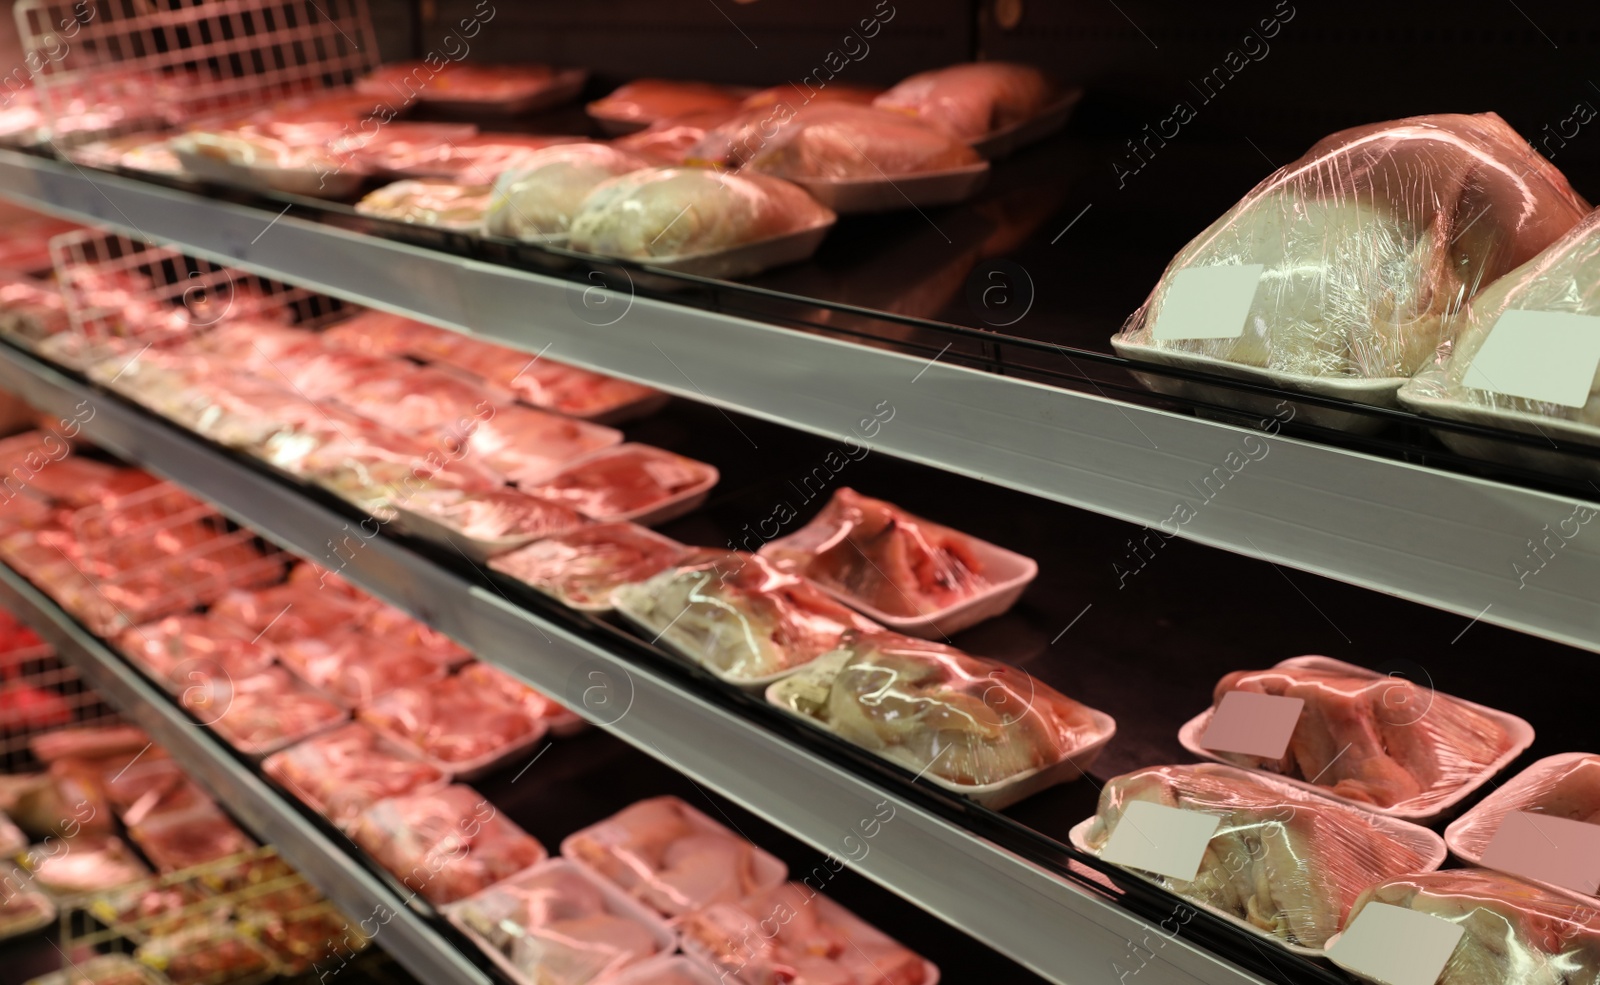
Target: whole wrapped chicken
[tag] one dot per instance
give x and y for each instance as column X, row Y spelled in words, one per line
column 971, row 101
column 539, row 196
column 683, row 212
column 833, row 141
column 1515, row 933
column 1371, row 243
column 1290, row 863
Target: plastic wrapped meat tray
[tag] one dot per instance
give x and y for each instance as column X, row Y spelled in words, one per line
column 262, row 714
column 391, row 627
column 152, row 785
column 420, row 401
column 474, row 160
column 447, row 203
column 455, row 725
column 288, row 612
column 151, row 909
column 178, row 647
column 175, row 841
column 354, row 669
column 341, row 773
column 644, row 101
column 1562, row 786
column 483, row 524
column 634, row 482
column 581, row 568
column 471, row 87
column 301, row 938
column 445, row 845
column 526, row 445
column 1283, row 864
column 1515, row 933
column 733, row 614
column 1381, row 743
column 557, row 925
column 673, row 858
column 83, row 865
column 536, row 199
column 980, row 728
column 103, row 969
column 539, row 707
column 25, row 910
column 900, row 570
column 1368, row 247
column 206, row 955
column 821, row 944
column 995, row 106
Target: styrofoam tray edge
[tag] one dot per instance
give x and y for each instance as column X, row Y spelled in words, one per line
column 1507, row 791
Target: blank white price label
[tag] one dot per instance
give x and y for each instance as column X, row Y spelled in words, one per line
column 1253, row 724
column 1208, row 302
column 1396, row 946
column 1549, row 849
column 1547, row 356
column 1161, row 839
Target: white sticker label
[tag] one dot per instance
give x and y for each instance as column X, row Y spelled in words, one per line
column 1253, row 724
column 1208, row 302
column 1547, row 356
column 1161, row 839
column 1396, row 946
column 1549, row 849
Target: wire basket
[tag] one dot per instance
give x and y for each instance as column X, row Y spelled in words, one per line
column 38, row 694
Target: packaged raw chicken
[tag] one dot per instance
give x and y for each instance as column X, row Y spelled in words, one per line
column 821, row 943
column 152, row 785
column 1367, row 248
column 391, row 627
column 379, row 333
column 644, row 101
column 735, row 614
column 206, row 954
column 673, row 858
column 835, row 141
column 445, row 845
column 536, row 199
column 482, row 524
column 972, row 101
column 175, row 841
column 1565, row 786
column 1513, row 931
column 629, row 482
column 678, row 213
column 288, row 612
column 83, row 865
column 152, row 909
column 342, row 773
column 421, row 400
column 1379, row 741
column 582, row 567
column 526, row 445
column 30, row 310
column 301, row 937
column 556, row 925
column 454, row 724
column 378, row 467
column 261, row 714
column 981, row 727
column 88, row 742
column 353, row 668
column 475, row 160
column 178, row 647
column 447, row 203
column 1286, row 863
column 801, row 94
column 669, row 140
column 494, row 681
column 550, row 385
column 484, row 88
column 23, row 909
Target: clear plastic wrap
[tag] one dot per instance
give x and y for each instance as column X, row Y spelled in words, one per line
column 445, row 845
column 628, row 482
column 1287, row 863
column 550, row 385
column 454, row 724
column 154, row 784
column 175, row 841
column 474, row 160
column 492, row 680
column 448, row 203
column 644, row 101
column 84, row 865
column 583, row 567
column 482, row 524
column 738, row 616
column 525, row 445
column 834, row 141
column 1371, row 243
column 261, row 714
column 151, row 909
column 379, row 333
column 670, row 140
column 971, row 101
column 1380, row 741
column 176, row 649
column 301, row 937
column 673, row 858
column 343, row 772
column 1515, row 933
column 507, row 88
column 391, row 627
column 817, row 942
column 421, row 400
column 287, row 612
column 352, row 668
column 676, row 213
column 555, row 925
column 969, row 722
column 792, row 93
column 1563, row 786
column 537, row 197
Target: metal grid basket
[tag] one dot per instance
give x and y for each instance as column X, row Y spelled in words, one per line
column 39, row 694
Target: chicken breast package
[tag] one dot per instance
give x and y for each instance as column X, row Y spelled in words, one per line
column 817, row 942
column 341, row 773
column 526, row 445
column 582, row 567
column 1514, row 932
column 1379, row 742
column 738, row 616
column 1283, row 862
column 558, row 925
column 673, row 858
column 446, row 844
column 972, row 101
column 975, row 726
column 1565, row 786
column 1352, row 263
column 898, row 569
column 537, row 199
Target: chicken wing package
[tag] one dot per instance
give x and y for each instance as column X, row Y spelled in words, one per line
column 995, row 106
column 559, row 925
column 1342, row 273
column 343, row 772
column 737, row 616
column 1285, row 864
column 536, row 199
column 1379, row 742
column 817, row 942
column 700, row 221
column 1513, row 932
column 636, row 105
column 483, row 524
column 442, row 202
column 850, row 158
column 1565, row 786
column 1509, row 369
column 673, row 858
column 446, row 844
column 983, row 729
column 581, row 568
column 902, row 571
